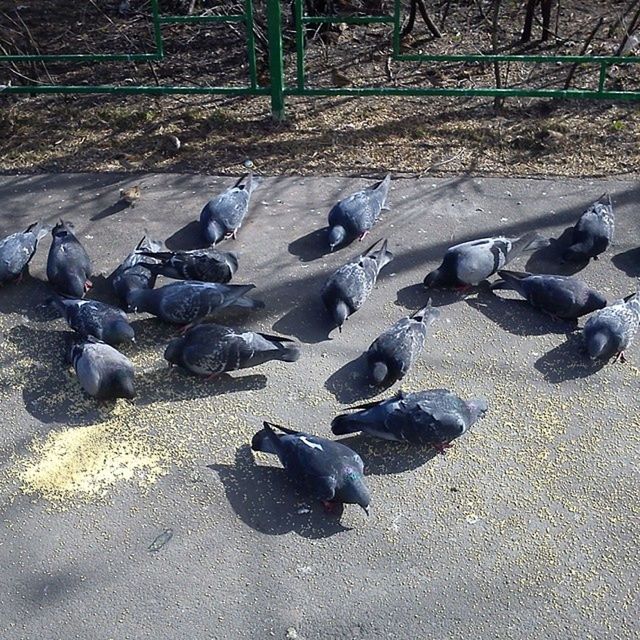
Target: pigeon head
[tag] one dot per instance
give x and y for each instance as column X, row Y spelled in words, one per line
column 62, row 229
column 337, row 235
column 121, row 386
column 434, row 279
column 576, row 253
column 214, row 232
column 354, row 490
column 379, row 372
column 119, row 332
column 136, row 299
column 340, row 313
column 477, row 408
column 600, row 346
column 173, row 352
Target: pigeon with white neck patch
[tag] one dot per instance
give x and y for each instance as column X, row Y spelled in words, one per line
column 348, row 288
column 212, row 349
column 433, row 418
column 395, row 350
column 223, row 215
column 330, row 472
column 592, row 233
column 17, row 250
column 467, row 264
column 355, row 216
column 608, row 332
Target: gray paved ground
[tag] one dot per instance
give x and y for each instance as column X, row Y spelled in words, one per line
column 527, row 528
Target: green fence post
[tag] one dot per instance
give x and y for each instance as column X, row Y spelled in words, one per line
column 274, row 32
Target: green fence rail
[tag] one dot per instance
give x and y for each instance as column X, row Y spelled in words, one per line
column 278, row 89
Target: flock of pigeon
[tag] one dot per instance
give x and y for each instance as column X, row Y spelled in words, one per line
column 330, row 471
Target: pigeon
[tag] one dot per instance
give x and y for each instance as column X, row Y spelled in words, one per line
column 470, row 263
column 187, row 302
column 394, row 351
column 611, row 330
column 564, row 297
column 68, row 265
column 593, row 232
column 347, row 289
column 355, row 215
column 212, row 349
column 329, row 471
column 203, row 265
column 223, row 216
column 434, row 418
column 17, row 250
column 134, row 273
column 103, row 372
column 92, row 318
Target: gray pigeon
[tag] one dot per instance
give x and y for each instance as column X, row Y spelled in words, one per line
column 103, row 372
column 17, row 250
column 134, row 273
column 95, row 319
column 355, row 215
column 564, row 297
column 611, row 330
column 203, row 265
column 592, row 233
column 187, row 302
column 328, row 470
column 68, row 264
column 223, row 216
column 347, row 289
column 393, row 352
column 433, row 418
column 470, row 263
column 211, row 349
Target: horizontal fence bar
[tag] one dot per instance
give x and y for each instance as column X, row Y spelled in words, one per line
column 489, row 57
column 144, row 90
column 420, row 91
column 346, row 19
column 83, row 57
column 198, row 19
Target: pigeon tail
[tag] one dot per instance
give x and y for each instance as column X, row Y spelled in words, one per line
column 427, row 315
column 510, row 280
column 345, row 423
column 477, row 407
column 383, row 256
column 288, row 353
column 379, row 372
column 528, row 242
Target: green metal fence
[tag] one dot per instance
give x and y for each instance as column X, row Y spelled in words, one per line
column 278, row 89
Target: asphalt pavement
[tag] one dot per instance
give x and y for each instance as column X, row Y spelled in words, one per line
column 155, row 519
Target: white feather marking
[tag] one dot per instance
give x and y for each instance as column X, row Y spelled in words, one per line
column 313, row 445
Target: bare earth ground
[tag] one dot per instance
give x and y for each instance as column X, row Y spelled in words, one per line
column 438, row 136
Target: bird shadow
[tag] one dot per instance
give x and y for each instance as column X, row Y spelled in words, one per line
column 350, row 383
column 517, row 316
column 265, row 500
column 187, row 238
column 383, row 457
column 26, row 298
column 628, row 262
column 310, row 247
column 112, row 209
column 549, row 259
column 151, row 334
column 175, row 385
column 567, row 361
column 308, row 321
column 415, row 296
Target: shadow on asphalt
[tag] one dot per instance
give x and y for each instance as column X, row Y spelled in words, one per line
column 265, row 500
column 308, row 321
column 628, row 262
column 382, row 457
column 567, row 361
column 186, row 238
column 110, row 210
column 549, row 259
column 310, row 247
column 416, row 296
column 518, row 317
column 350, row 383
